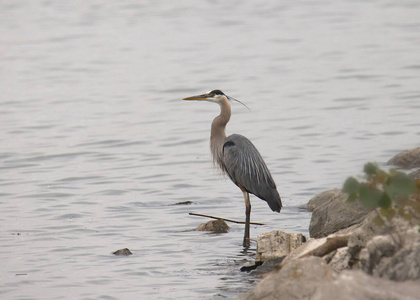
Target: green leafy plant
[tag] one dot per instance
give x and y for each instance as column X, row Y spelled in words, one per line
column 394, row 192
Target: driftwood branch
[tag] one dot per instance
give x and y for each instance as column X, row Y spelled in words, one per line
column 227, row 220
column 332, row 243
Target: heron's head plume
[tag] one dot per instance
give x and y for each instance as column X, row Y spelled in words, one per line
column 216, row 96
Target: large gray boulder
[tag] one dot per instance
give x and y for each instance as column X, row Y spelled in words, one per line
column 331, row 212
column 311, row 278
column 351, row 285
column 298, row 279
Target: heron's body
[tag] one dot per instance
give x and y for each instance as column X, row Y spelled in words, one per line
column 240, row 160
column 253, row 176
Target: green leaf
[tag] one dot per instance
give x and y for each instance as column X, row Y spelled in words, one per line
column 393, row 171
column 379, row 221
column 351, row 186
column 408, row 217
column 369, row 196
column 382, row 175
column 385, row 202
column 401, row 185
column 352, row 197
column 370, row 168
column 388, row 213
column 404, row 214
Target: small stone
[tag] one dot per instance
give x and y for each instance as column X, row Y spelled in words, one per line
column 124, row 251
column 217, row 226
column 183, row 203
column 340, row 259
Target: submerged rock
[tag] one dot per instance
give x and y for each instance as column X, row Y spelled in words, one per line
column 183, row 203
column 277, row 244
column 124, row 251
column 217, row 226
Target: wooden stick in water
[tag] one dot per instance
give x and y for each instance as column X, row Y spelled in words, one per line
column 227, row 220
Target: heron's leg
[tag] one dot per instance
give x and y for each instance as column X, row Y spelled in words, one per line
column 247, row 241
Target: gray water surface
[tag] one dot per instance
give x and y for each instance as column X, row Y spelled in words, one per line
column 97, row 145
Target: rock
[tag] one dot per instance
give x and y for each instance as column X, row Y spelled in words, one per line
column 332, row 212
column 395, row 256
column 405, row 265
column 301, row 251
column 267, row 266
column 217, row 226
column 379, row 248
column 415, row 174
column 407, row 159
column 124, row 251
column 299, row 279
column 311, row 278
column 362, row 258
column 183, row 203
column 339, row 259
column 369, row 228
column 390, row 251
column 276, row 244
column 362, row 235
column 350, row 285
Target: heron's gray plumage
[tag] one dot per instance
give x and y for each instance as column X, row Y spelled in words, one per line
column 244, row 165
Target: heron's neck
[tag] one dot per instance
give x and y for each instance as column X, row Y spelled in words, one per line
column 218, row 135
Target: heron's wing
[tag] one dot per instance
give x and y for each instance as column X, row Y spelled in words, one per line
column 245, row 166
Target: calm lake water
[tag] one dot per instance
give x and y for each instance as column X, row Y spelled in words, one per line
column 97, row 145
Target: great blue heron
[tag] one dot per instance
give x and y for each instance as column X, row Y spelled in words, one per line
column 239, row 159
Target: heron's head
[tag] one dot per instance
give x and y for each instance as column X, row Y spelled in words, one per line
column 212, row 96
column 216, row 96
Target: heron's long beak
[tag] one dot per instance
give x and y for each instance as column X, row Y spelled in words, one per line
column 198, row 97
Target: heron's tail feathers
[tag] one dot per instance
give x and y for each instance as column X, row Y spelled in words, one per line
column 274, row 201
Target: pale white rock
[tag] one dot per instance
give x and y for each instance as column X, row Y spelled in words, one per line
column 277, row 243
